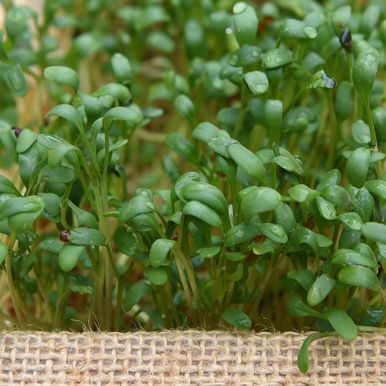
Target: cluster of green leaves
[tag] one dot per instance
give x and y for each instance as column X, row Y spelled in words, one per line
column 274, row 149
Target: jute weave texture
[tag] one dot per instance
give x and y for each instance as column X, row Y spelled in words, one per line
column 186, row 358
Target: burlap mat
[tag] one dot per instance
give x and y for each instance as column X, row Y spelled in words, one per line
column 186, row 358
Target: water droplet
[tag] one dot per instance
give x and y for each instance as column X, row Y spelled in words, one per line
column 239, row 234
column 242, row 322
column 310, row 32
column 275, row 230
column 228, row 31
column 233, row 60
column 239, row 7
column 255, row 53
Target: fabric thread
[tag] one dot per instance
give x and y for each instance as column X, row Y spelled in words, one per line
column 191, row 357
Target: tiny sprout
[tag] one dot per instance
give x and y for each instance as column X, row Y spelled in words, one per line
column 345, row 39
column 245, row 23
column 65, row 236
column 277, row 204
column 17, row 131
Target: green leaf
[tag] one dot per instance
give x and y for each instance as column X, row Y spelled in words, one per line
column 237, row 318
column 202, row 212
column 344, row 101
column 68, row 113
column 57, row 155
column 338, row 196
column 361, row 132
column 274, row 232
column 135, row 293
column 302, row 193
column 376, row 156
column 297, row 308
column 184, row 105
column 303, row 361
column 234, row 256
column 319, row 290
column 364, row 73
column 246, row 55
column 273, row 113
column 357, row 166
column 321, row 80
column 157, row 276
column 51, row 244
column 373, row 316
column 25, row 140
column 375, row 231
column 7, row 187
column 303, row 276
column 351, row 220
column 323, row 241
column 285, row 217
column 112, row 147
column 379, row 115
column 341, row 323
column 87, row 236
column 161, row 41
column 182, row 146
column 63, row 75
column 277, row 57
column 121, row 68
column 341, row 18
column 247, row 160
column 85, row 219
column 294, row 164
column 115, row 90
column 209, row 252
column 181, row 182
column 365, row 251
column 81, row 285
column 159, row 252
column 207, row 194
column 267, row 246
column 194, row 36
column 245, row 23
column 349, row 257
column 370, row 18
column 140, row 204
column 125, row 241
column 51, row 206
column 362, row 201
column 60, row 174
column 293, row 28
column 219, row 143
column 241, row 233
column 132, row 116
column 288, row 163
column 69, row 257
column 204, row 131
column 15, row 80
column 3, row 252
column 359, row 276
column 326, row 209
column 15, row 205
column 331, row 178
column 21, row 212
column 255, row 200
column 257, row 82
column 377, row 187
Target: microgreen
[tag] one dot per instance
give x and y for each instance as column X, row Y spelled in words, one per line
column 194, row 166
